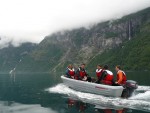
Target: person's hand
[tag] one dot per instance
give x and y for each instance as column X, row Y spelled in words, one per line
column 85, row 78
column 116, row 82
column 72, row 77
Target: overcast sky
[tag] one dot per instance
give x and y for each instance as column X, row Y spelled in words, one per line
column 32, row 20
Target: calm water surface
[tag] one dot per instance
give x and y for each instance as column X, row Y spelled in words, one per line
column 45, row 93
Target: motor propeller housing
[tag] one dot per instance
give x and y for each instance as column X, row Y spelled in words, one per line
column 129, row 88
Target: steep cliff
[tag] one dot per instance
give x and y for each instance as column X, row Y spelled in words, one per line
column 96, row 44
column 11, row 56
column 132, row 55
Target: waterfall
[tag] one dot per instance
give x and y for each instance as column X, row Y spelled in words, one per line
column 130, row 30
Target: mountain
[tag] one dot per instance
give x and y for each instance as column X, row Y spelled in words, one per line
column 124, row 41
column 132, row 55
column 11, row 56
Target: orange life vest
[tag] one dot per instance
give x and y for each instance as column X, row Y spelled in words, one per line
column 124, row 78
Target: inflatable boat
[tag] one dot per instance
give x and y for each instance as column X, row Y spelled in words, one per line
column 100, row 89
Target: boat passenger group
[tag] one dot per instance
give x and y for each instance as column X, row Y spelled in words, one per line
column 103, row 74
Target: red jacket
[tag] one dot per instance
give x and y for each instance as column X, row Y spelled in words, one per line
column 81, row 73
column 99, row 73
column 108, row 79
column 70, row 72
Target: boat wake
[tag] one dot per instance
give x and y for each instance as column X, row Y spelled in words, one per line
column 140, row 101
column 143, row 88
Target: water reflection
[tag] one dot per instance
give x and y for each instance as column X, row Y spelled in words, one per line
column 79, row 105
column 12, row 75
column 110, row 111
column 82, row 107
column 11, row 107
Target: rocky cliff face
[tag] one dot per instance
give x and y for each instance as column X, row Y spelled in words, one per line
column 82, row 45
column 56, row 51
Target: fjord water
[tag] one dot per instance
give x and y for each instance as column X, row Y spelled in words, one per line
column 45, row 93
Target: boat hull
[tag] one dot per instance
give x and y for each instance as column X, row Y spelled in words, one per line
column 100, row 89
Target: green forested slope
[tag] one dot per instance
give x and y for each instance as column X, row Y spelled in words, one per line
column 11, row 57
column 132, row 55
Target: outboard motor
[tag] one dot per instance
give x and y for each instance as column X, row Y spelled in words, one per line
column 129, row 88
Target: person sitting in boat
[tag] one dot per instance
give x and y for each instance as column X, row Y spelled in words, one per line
column 70, row 72
column 106, row 76
column 99, row 71
column 82, row 74
column 121, row 76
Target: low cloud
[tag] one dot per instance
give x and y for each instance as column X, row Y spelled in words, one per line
column 32, row 20
column 5, row 41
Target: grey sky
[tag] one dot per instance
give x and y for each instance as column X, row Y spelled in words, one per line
column 32, row 20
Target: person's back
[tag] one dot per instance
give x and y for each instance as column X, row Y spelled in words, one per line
column 121, row 76
column 106, row 77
